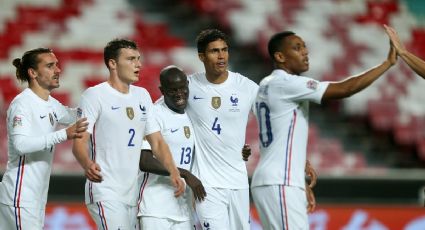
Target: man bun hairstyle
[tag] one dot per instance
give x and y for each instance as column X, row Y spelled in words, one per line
column 28, row 60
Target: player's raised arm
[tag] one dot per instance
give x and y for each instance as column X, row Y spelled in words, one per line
column 162, row 153
column 356, row 83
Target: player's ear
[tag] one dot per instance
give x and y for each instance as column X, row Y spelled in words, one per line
column 161, row 89
column 201, row 57
column 112, row 64
column 279, row 57
column 32, row 73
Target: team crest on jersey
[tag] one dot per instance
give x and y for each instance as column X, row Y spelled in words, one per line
column 186, row 131
column 142, row 108
column 216, row 102
column 130, row 112
column 17, row 121
column 234, row 99
column 51, row 119
column 312, row 84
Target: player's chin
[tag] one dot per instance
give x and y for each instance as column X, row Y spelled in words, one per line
column 54, row 86
column 181, row 106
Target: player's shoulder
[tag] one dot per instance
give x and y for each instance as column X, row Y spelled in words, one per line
column 96, row 89
column 280, row 77
column 21, row 97
column 159, row 103
column 196, row 77
column 25, row 102
column 139, row 90
column 25, row 99
column 242, row 80
column 55, row 102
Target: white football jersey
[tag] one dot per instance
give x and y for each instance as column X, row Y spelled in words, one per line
column 156, row 194
column 282, row 107
column 26, row 180
column 117, row 123
column 219, row 114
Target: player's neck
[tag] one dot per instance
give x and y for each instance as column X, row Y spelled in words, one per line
column 39, row 91
column 217, row 78
column 120, row 86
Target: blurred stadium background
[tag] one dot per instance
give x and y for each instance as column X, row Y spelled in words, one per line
column 369, row 150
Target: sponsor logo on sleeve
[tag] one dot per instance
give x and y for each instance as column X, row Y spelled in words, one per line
column 17, row 121
column 312, row 84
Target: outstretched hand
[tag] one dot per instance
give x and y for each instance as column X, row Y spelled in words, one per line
column 76, row 130
column 395, row 40
column 246, row 152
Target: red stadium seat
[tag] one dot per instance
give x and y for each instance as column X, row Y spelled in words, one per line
column 92, row 81
column 382, row 114
column 149, row 80
column 62, row 97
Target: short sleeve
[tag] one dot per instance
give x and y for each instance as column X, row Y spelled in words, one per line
column 301, row 89
column 90, row 109
column 152, row 125
column 146, row 145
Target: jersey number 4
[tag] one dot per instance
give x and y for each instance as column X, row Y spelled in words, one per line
column 216, row 126
column 263, row 114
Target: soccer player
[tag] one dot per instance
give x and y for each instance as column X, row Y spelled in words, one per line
column 219, row 105
column 119, row 116
column 32, row 118
column 158, row 208
column 278, row 183
column 417, row 64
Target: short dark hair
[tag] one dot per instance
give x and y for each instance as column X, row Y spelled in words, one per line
column 207, row 36
column 275, row 42
column 29, row 60
column 112, row 49
column 169, row 72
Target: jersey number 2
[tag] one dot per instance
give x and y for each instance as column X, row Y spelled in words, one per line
column 131, row 132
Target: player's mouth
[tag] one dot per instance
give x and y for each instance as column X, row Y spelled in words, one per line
column 180, row 101
column 221, row 64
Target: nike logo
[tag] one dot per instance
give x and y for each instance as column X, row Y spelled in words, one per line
column 142, row 108
column 174, row 130
column 197, row 98
column 42, row 116
column 114, row 108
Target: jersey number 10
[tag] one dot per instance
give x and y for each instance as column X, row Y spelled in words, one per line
column 263, row 115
